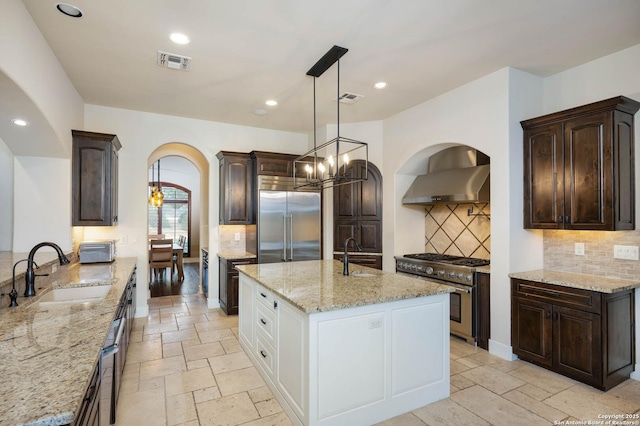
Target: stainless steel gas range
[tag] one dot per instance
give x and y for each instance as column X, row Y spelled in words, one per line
column 455, row 271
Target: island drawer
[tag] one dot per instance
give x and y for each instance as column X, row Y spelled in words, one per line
column 265, row 297
column 265, row 354
column 570, row 297
column 266, row 320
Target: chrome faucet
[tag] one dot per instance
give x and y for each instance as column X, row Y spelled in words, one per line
column 30, row 276
column 345, row 260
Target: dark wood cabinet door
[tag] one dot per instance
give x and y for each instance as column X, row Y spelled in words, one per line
column 223, row 276
column 233, row 284
column 369, row 235
column 543, row 178
column 588, row 172
column 94, row 179
column 531, row 330
column 357, row 209
column 576, row 345
column 236, row 189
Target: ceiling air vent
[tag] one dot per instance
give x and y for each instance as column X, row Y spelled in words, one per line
column 173, row 61
column 349, row 98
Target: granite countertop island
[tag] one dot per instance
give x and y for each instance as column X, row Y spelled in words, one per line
column 319, row 286
column 337, row 349
column 49, row 352
column 580, row 281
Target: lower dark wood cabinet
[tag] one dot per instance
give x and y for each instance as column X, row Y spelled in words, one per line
column 483, row 315
column 586, row 335
column 88, row 414
column 229, row 282
column 370, row 260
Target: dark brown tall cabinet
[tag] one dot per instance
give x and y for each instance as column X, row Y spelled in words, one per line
column 357, row 213
column 94, row 179
column 236, row 188
column 579, row 168
column 582, row 334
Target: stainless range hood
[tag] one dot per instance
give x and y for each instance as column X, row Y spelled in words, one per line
column 454, row 175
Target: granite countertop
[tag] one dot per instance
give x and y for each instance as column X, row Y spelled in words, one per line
column 318, row 285
column 43, row 258
column 227, row 255
column 486, row 269
column 581, row 281
column 48, row 353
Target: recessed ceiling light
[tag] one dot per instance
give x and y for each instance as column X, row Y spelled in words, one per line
column 271, row 102
column 178, row 38
column 259, row 111
column 69, row 10
column 20, row 122
column 380, row 85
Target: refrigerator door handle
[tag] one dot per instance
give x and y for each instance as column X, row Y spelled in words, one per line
column 290, row 237
column 284, row 238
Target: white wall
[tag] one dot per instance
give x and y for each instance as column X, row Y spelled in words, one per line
column 40, row 212
column 6, row 197
column 141, row 134
column 30, row 63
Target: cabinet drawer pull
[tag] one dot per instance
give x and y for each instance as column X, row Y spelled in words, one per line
column 263, row 321
column 275, row 304
column 263, row 295
column 263, row 354
column 547, row 314
column 555, row 316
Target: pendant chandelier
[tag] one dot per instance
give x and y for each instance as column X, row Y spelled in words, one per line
column 156, row 197
column 326, row 166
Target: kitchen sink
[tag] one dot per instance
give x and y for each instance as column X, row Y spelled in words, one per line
column 59, row 296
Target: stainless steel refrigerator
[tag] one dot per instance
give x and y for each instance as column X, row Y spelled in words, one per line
column 288, row 222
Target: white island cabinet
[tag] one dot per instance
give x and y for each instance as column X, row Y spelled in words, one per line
column 339, row 350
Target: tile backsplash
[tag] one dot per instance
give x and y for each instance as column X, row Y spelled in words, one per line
column 227, row 238
column 559, row 249
column 449, row 229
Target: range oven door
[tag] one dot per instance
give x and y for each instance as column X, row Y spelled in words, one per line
column 461, row 312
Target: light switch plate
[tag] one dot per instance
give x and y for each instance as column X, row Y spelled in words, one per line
column 626, row 252
column 579, row 249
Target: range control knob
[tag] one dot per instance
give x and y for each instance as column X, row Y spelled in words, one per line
column 459, row 275
column 452, row 274
column 440, row 272
column 428, row 270
column 468, row 277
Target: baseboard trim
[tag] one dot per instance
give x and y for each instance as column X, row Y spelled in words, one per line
column 635, row 375
column 501, row 350
column 142, row 311
column 213, row 303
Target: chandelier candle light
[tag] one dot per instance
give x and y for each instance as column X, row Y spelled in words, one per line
column 326, row 166
column 156, row 197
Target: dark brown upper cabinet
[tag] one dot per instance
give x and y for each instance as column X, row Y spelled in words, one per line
column 94, row 182
column 579, row 168
column 357, row 209
column 236, row 188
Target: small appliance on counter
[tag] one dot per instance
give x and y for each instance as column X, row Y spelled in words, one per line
column 100, row 251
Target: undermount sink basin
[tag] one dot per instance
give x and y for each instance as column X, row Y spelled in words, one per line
column 363, row 274
column 68, row 295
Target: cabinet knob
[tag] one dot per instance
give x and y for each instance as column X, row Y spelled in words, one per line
column 263, row 321
column 547, row 314
column 263, row 354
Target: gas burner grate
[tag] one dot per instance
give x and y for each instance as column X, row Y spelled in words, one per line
column 447, row 258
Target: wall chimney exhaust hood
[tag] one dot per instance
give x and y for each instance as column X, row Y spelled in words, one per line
column 454, row 175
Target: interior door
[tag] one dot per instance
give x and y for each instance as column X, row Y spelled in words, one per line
column 304, row 225
column 271, row 226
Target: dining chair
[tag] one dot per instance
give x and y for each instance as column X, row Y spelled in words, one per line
column 160, row 257
column 156, row 236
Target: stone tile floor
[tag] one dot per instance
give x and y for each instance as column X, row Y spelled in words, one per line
column 186, row 367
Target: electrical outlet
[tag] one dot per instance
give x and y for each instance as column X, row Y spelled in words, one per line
column 124, row 239
column 54, row 268
column 237, row 236
column 579, row 249
column 626, row 252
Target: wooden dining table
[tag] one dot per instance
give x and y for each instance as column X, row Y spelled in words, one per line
column 178, row 251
